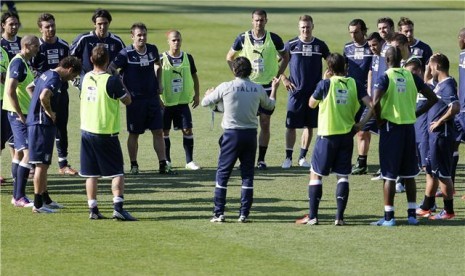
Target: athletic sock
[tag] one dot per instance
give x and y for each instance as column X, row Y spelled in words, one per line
column 62, row 162
column 167, row 147
column 315, row 191
column 388, row 212
column 362, row 160
column 21, row 179
column 411, row 211
column 188, row 143
column 428, row 202
column 162, row 165
column 289, row 153
column 38, row 201
column 118, row 203
column 134, row 164
column 342, row 196
column 261, row 153
column 303, row 153
column 46, row 198
column 454, row 166
column 449, row 206
column 14, row 174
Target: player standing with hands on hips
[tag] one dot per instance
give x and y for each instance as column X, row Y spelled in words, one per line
column 241, row 98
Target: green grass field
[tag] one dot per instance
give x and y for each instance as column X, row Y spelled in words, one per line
column 174, row 236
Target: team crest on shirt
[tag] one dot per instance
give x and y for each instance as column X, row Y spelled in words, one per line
column 150, row 56
column 317, row 48
column 112, row 47
column 418, row 52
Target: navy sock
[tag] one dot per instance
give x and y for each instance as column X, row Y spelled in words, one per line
column 454, row 167
column 167, row 147
column 411, row 213
column 63, row 163
column 261, row 153
column 342, row 196
column 188, row 143
column 314, row 195
column 94, row 210
column 14, row 174
column 21, row 181
column 38, row 201
column 449, row 206
column 289, row 153
column 428, row 202
column 362, row 160
column 388, row 215
column 303, row 153
column 134, row 164
column 46, row 198
column 118, row 206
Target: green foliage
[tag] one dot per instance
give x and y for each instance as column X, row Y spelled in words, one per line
column 174, row 235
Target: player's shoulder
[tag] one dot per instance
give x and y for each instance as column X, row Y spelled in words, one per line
column 115, row 37
column 275, row 36
column 63, row 42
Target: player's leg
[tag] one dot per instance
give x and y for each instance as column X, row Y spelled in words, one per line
column 263, row 139
column 133, row 147
column 168, row 119
column 188, row 136
column 290, row 141
column 247, row 152
column 305, row 140
column 363, row 145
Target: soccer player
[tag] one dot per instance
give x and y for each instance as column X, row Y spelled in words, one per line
column 84, row 43
column 417, row 47
column 136, row 63
column 180, row 87
column 441, row 138
column 395, row 104
column 461, row 92
column 10, row 41
column 387, row 33
column 241, row 98
column 269, row 59
column 16, row 101
column 52, row 50
column 358, row 59
column 101, row 154
column 338, row 98
column 4, row 123
column 41, row 124
column 306, row 69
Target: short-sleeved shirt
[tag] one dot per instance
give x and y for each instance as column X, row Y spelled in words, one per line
column 12, row 47
column 138, row 70
column 446, row 91
column 84, row 43
column 48, row 80
column 375, row 73
column 422, row 51
column 49, row 56
column 238, row 43
column 382, row 65
column 305, row 63
column 358, row 60
column 462, row 80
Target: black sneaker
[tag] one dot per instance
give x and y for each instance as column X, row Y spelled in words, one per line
column 357, row 170
column 261, row 165
column 168, row 170
column 123, row 215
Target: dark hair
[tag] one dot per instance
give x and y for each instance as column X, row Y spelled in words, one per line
column 44, row 17
column 336, row 63
column 360, row 22
column 387, row 20
column 374, row 35
column 414, row 61
column 259, row 12
column 400, row 38
column 242, row 68
column 100, row 55
column 442, row 61
column 7, row 15
column 393, row 56
column 138, row 25
column 71, row 62
column 403, row 22
column 101, row 13
column 306, row 17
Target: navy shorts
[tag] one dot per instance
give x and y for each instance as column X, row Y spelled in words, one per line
column 41, row 141
column 333, row 154
column 261, row 110
column 5, row 128
column 397, row 151
column 299, row 114
column 371, row 125
column 180, row 115
column 19, row 131
column 144, row 114
column 440, row 157
column 101, row 155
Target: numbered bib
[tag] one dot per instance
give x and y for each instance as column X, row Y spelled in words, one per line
column 177, row 85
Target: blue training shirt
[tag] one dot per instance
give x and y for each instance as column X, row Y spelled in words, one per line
column 11, row 47
column 358, row 60
column 446, row 92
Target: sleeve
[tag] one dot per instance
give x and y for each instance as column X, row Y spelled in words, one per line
column 265, row 101
column 115, row 88
column 76, row 47
column 214, row 97
column 324, row 50
column 121, row 59
column 287, row 47
column 278, row 42
column 427, row 54
column 37, row 63
column 155, row 53
column 238, row 42
column 450, row 93
column 419, row 83
column 17, row 70
column 382, row 82
column 53, row 85
column 321, row 91
column 361, row 91
column 192, row 63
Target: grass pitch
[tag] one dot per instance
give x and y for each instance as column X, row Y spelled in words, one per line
column 173, row 235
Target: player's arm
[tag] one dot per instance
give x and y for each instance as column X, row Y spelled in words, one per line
column 454, row 108
column 158, row 72
column 369, row 82
column 230, row 56
column 45, row 96
column 196, row 90
column 30, row 88
column 368, row 103
column 283, row 63
column 429, row 94
column 10, row 90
